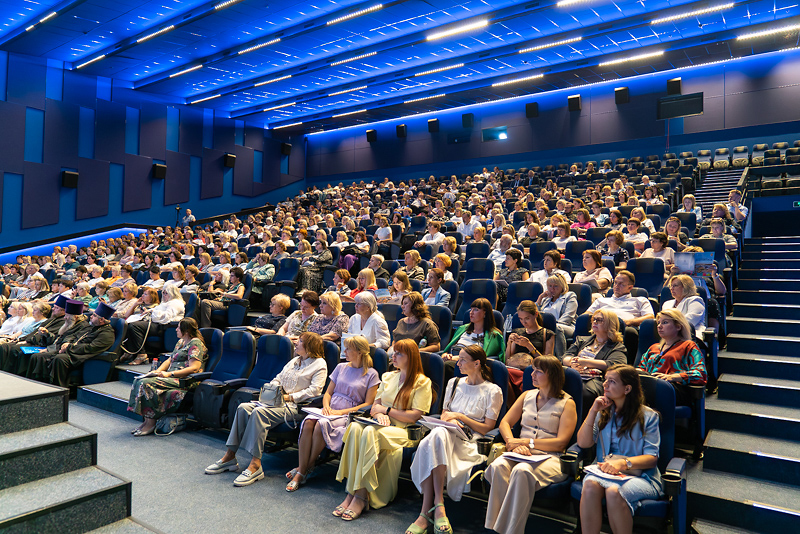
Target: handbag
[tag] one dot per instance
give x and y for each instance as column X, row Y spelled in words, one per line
column 271, row 395
column 171, row 423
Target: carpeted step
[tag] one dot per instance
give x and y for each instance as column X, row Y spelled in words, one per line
column 127, row 373
column 764, row 327
column 770, row 274
column 755, row 388
column 769, row 263
column 764, row 419
column 775, row 239
column 701, row 526
column 109, row 396
column 742, row 502
column 764, row 365
column 26, row 404
column 766, row 297
column 757, row 343
column 759, row 254
column 77, row 501
column 42, row 452
column 768, row 284
column 772, row 459
column 767, row 311
column 126, row 526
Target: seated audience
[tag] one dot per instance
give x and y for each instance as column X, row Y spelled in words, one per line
column 417, row 324
column 369, row 322
column 559, row 301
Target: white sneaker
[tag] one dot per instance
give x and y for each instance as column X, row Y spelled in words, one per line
column 220, row 467
column 247, row 477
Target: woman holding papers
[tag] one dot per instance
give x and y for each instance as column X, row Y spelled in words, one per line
column 352, row 387
column 548, row 421
column 595, row 275
column 627, row 437
column 443, row 458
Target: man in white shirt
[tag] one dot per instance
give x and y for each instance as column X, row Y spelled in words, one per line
column 433, row 237
column 498, row 255
column 467, row 225
column 738, row 210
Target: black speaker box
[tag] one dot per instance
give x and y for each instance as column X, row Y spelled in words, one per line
column 229, row 160
column 69, row 179
column 574, row 102
column 402, row 131
column 286, row 149
column 674, row 86
column 433, row 125
column 372, row 136
column 159, row 171
column 532, row 110
column 621, row 95
column 467, row 120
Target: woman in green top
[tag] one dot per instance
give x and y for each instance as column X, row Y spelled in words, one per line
column 480, row 329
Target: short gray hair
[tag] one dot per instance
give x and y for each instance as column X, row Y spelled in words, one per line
column 366, row 297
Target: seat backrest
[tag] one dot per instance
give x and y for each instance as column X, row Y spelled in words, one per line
column 717, row 246
column 596, row 235
column 499, row 378
column 574, row 252
column 451, row 286
column 332, row 356
column 474, row 289
column 660, row 395
column 120, row 329
column 584, row 294
column 573, row 386
column 583, row 325
column 443, row 317
column 272, row 354
column 433, row 367
column 289, row 268
column 689, row 220
column 380, row 361
column 479, row 268
column 647, row 337
column 476, row 250
column 392, row 313
column 238, row 356
column 649, row 273
column 519, row 291
column 537, row 250
column 212, row 338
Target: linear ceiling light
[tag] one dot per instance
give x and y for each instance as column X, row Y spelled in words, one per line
column 631, row 58
column 348, row 90
column 355, row 14
column 98, row 58
column 695, row 13
column 434, row 71
column 422, row 98
column 156, row 34
column 259, row 84
column 348, row 113
column 273, row 108
column 256, row 47
column 45, row 19
column 525, row 79
column 550, row 45
column 460, row 29
column 206, row 98
column 348, row 60
column 287, row 125
column 223, row 5
column 565, row 3
column 184, row 71
column 764, row 33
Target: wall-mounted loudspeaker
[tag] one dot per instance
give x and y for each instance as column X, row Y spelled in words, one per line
column 433, row 125
column 674, row 86
column 229, row 160
column 286, row 149
column 532, row 110
column 159, row 171
column 467, row 120
column 401, row 130
column 69, row 179
column 621, row 95
column 574, row 102
column 372, row 136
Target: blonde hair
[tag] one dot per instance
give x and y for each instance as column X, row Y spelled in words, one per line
column 369, row 277
column 444, row 259
column 414, row 256
column 611, row 322
column 679, row 320
column 332, row 299
column 558, row 279
column 361, row 345
column 690, row 197
column 689, row 289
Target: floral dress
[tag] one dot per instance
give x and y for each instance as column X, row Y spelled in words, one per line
column 155, row 397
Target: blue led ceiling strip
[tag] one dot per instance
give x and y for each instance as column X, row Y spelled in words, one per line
column 498, row 53
column 725, row 35
column 59, row 7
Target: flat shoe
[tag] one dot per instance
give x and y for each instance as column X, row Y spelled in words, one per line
column 294, row 485
column 140, row 433
column 350, row 515
column 139, row 360
column 220, row 467
column 290, row 475
column 338, row 511
column 247, row 477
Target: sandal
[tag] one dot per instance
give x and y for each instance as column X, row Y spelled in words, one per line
column 139, row 360
column 349, row 515
column 290, row 475
column 440, row 522
column 294, row 485
column 338, row 511
column 416, row 529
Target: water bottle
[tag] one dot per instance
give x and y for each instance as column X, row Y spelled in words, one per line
column 155, row 364
column 507, row 324
column 423, row 342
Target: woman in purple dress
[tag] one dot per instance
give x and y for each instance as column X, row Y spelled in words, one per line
column 352, row 387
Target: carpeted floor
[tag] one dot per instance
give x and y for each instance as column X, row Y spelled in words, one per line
column 171, row 492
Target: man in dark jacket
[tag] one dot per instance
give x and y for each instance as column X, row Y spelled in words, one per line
column 12, row 358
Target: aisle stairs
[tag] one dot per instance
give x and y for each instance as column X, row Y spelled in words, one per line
column 113, row 396
column 750, row 475
column 715, row 188
column 49, row 478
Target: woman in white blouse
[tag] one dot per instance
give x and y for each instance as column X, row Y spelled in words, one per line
column 558, row 300
column 594, row 274
column 20, row 315
column 686, row 300
column 443, row 460
column 369, row 322
column 301, row 379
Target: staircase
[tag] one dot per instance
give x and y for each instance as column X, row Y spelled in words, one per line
column 49, row 480
column 113, row 396
column 750, row 476
column 715, row 189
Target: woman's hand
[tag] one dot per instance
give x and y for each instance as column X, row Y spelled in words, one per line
column 601, row 403
column 613, row 467
column 378, row 409
column 451, row 416
column 383, row 419
column 514, row 443
column 524, row 450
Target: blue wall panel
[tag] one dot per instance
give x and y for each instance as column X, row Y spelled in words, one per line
column 27, row 79
column 2, row 210
column 12, row 137
column 132, row 116
column 138, row 183
column 40, row 195
column 93, row 189
column 86, row 133
column 153, row 130
column 243, row 172
column 80, row 89
column 176, row 186
column 254, row 137
column 173, row 128
column 61, row 133
column 191, row 131
column 212, row 181
column 54, row 84
column 224, row 133
column 109, row 132
column 34, row 135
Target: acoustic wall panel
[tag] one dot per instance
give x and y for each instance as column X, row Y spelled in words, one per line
column 224, row 134
column 80, row 89
column 243, row 172
column 93, row 187
column 137, row 183
column 61, row 134
column 27, row 79
column 211, row 183
column 153, row 130
column 12, row 137
column 191, row 131
column 109, row 131
column 2, row 175
column 176, row 187
column 41, row 193
column 254, row 137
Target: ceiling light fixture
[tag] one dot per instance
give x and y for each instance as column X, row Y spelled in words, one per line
column 460, row 29
column 206, row 98
column 256, row 47
column 565, row 3
column 764, row 33
column 156, row 34
column 517, row 80
column 223, row 5
column 184, row 71
column 287, row 125
column 550, row 45
column 434, row 71
column 362, row 56
column 259, row 84
column 695, row 13
column 423, row 98
column 48, row 17
column 348, row 90
column 273, row 108
column 348, row 113
column 355, row 14
column 98, row 58
column 631, row 58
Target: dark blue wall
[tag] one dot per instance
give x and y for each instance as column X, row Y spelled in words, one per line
column 54, row 119
column 740, row 97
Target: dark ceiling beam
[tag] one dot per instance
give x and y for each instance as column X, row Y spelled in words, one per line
column 61, row 8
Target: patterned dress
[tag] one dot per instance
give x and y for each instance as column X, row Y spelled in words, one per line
column 155, row 397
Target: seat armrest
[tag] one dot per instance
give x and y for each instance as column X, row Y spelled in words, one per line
column 236, row 383
column 698, row 392
column 674, row 477
column 313, row 402
column 569, row 464
column 196, row 378
column 457, row 324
